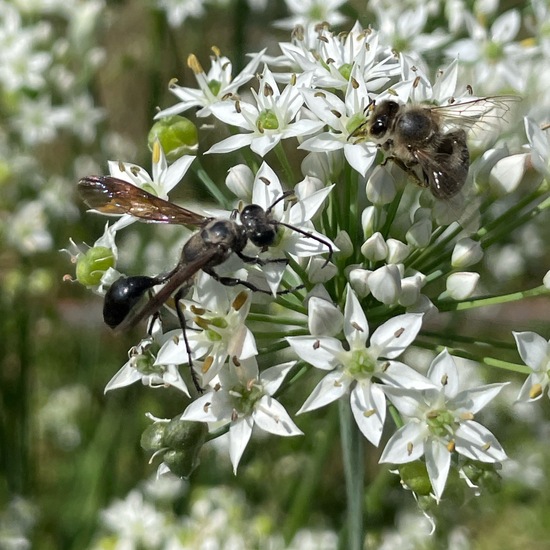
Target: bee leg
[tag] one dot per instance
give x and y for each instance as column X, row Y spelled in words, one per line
column 409, row 170
column 232, row 281
column 181, row 317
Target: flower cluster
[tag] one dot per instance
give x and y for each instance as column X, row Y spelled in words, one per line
column 388, row 224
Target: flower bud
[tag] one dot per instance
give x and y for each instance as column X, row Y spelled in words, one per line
column 381, row 187
column 420, row 233
column 91, row 265
column 414, row 476
column 240, row 181
column 371, row 220
column 358, row 279
column 385, row 284
column 177, row 135
column 344, row 244
column 462, row 285
column 546, row 280
column 375, row 248
column 410, row 289
column 466, row 252
column 181, row 463
column 180, row 434
column 307, row 187
column 324, row 318
column 397, row 251
column 319, row 271
column 508, row 173
column 152, row 438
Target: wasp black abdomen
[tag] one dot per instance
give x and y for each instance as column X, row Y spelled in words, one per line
column 123, row 295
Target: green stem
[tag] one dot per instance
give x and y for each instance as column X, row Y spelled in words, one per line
column 275, row 319
column 485, row 360
column 352, row 455
column 209, row 184
column 285, row 165
column 491, row 300
column 304, row 496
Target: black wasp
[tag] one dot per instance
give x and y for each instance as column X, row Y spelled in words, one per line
column 209, row 247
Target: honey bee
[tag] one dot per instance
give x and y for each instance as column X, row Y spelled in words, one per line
column 429, row 139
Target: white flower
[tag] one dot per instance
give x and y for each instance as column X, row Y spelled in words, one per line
column 143, row 366
column 535, row 352
column 361, row 371
column 243, row 398
column 136, row 523
column 342, row 118
column 217, row 314
column 311, row 12
column 440, row 421
column 177, row 11
column 214, row 86
column 268, row 121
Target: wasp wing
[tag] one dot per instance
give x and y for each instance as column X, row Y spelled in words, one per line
column 182, row 275
column 111, row 195
column 445, row 170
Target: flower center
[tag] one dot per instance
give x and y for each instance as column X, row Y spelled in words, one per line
column 214, row 86
column 361, row 364
column 267, row 121
column 441, row 422
column 345, row 70
column 144, row 363
column 245, row 397
column 494, row 51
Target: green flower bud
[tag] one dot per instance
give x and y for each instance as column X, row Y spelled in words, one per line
column 183, row 462
column 184, row 434
column 152, row 439
column 177, row 135
column 414, row 476
column 91, row 266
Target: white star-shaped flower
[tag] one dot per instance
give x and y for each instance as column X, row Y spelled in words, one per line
column 440, row 421
column 214, row 86
column 361, row 371
column 535, row 352
column 343, row 118
column 243, row 398
column 217, row 315
column 268, row 121
column 143, row 366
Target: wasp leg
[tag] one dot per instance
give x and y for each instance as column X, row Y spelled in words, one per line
column 259, row 261
column 177, row 297
column 232, row 281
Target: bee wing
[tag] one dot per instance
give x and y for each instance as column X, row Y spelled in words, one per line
column 475, row 112
column 445, row 170
column 111, row 195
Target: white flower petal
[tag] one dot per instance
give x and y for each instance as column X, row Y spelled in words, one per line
column 443, row 373
column 533, row 349
column 405, row 445
column 273, row 377
column 124, row 377
column 324, row 318
column 368, row 404
column 272, row 417
column 400, row 375
column 239, row 436
column 202, row 410
column 478, row 443
column 232, row 143
column 322, row 353
column 356, row 327
column 438, row 462
column 329, row 389
column 475, row 399
column 393, row 337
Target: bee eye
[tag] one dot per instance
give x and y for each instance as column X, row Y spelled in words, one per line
column 379, row 126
